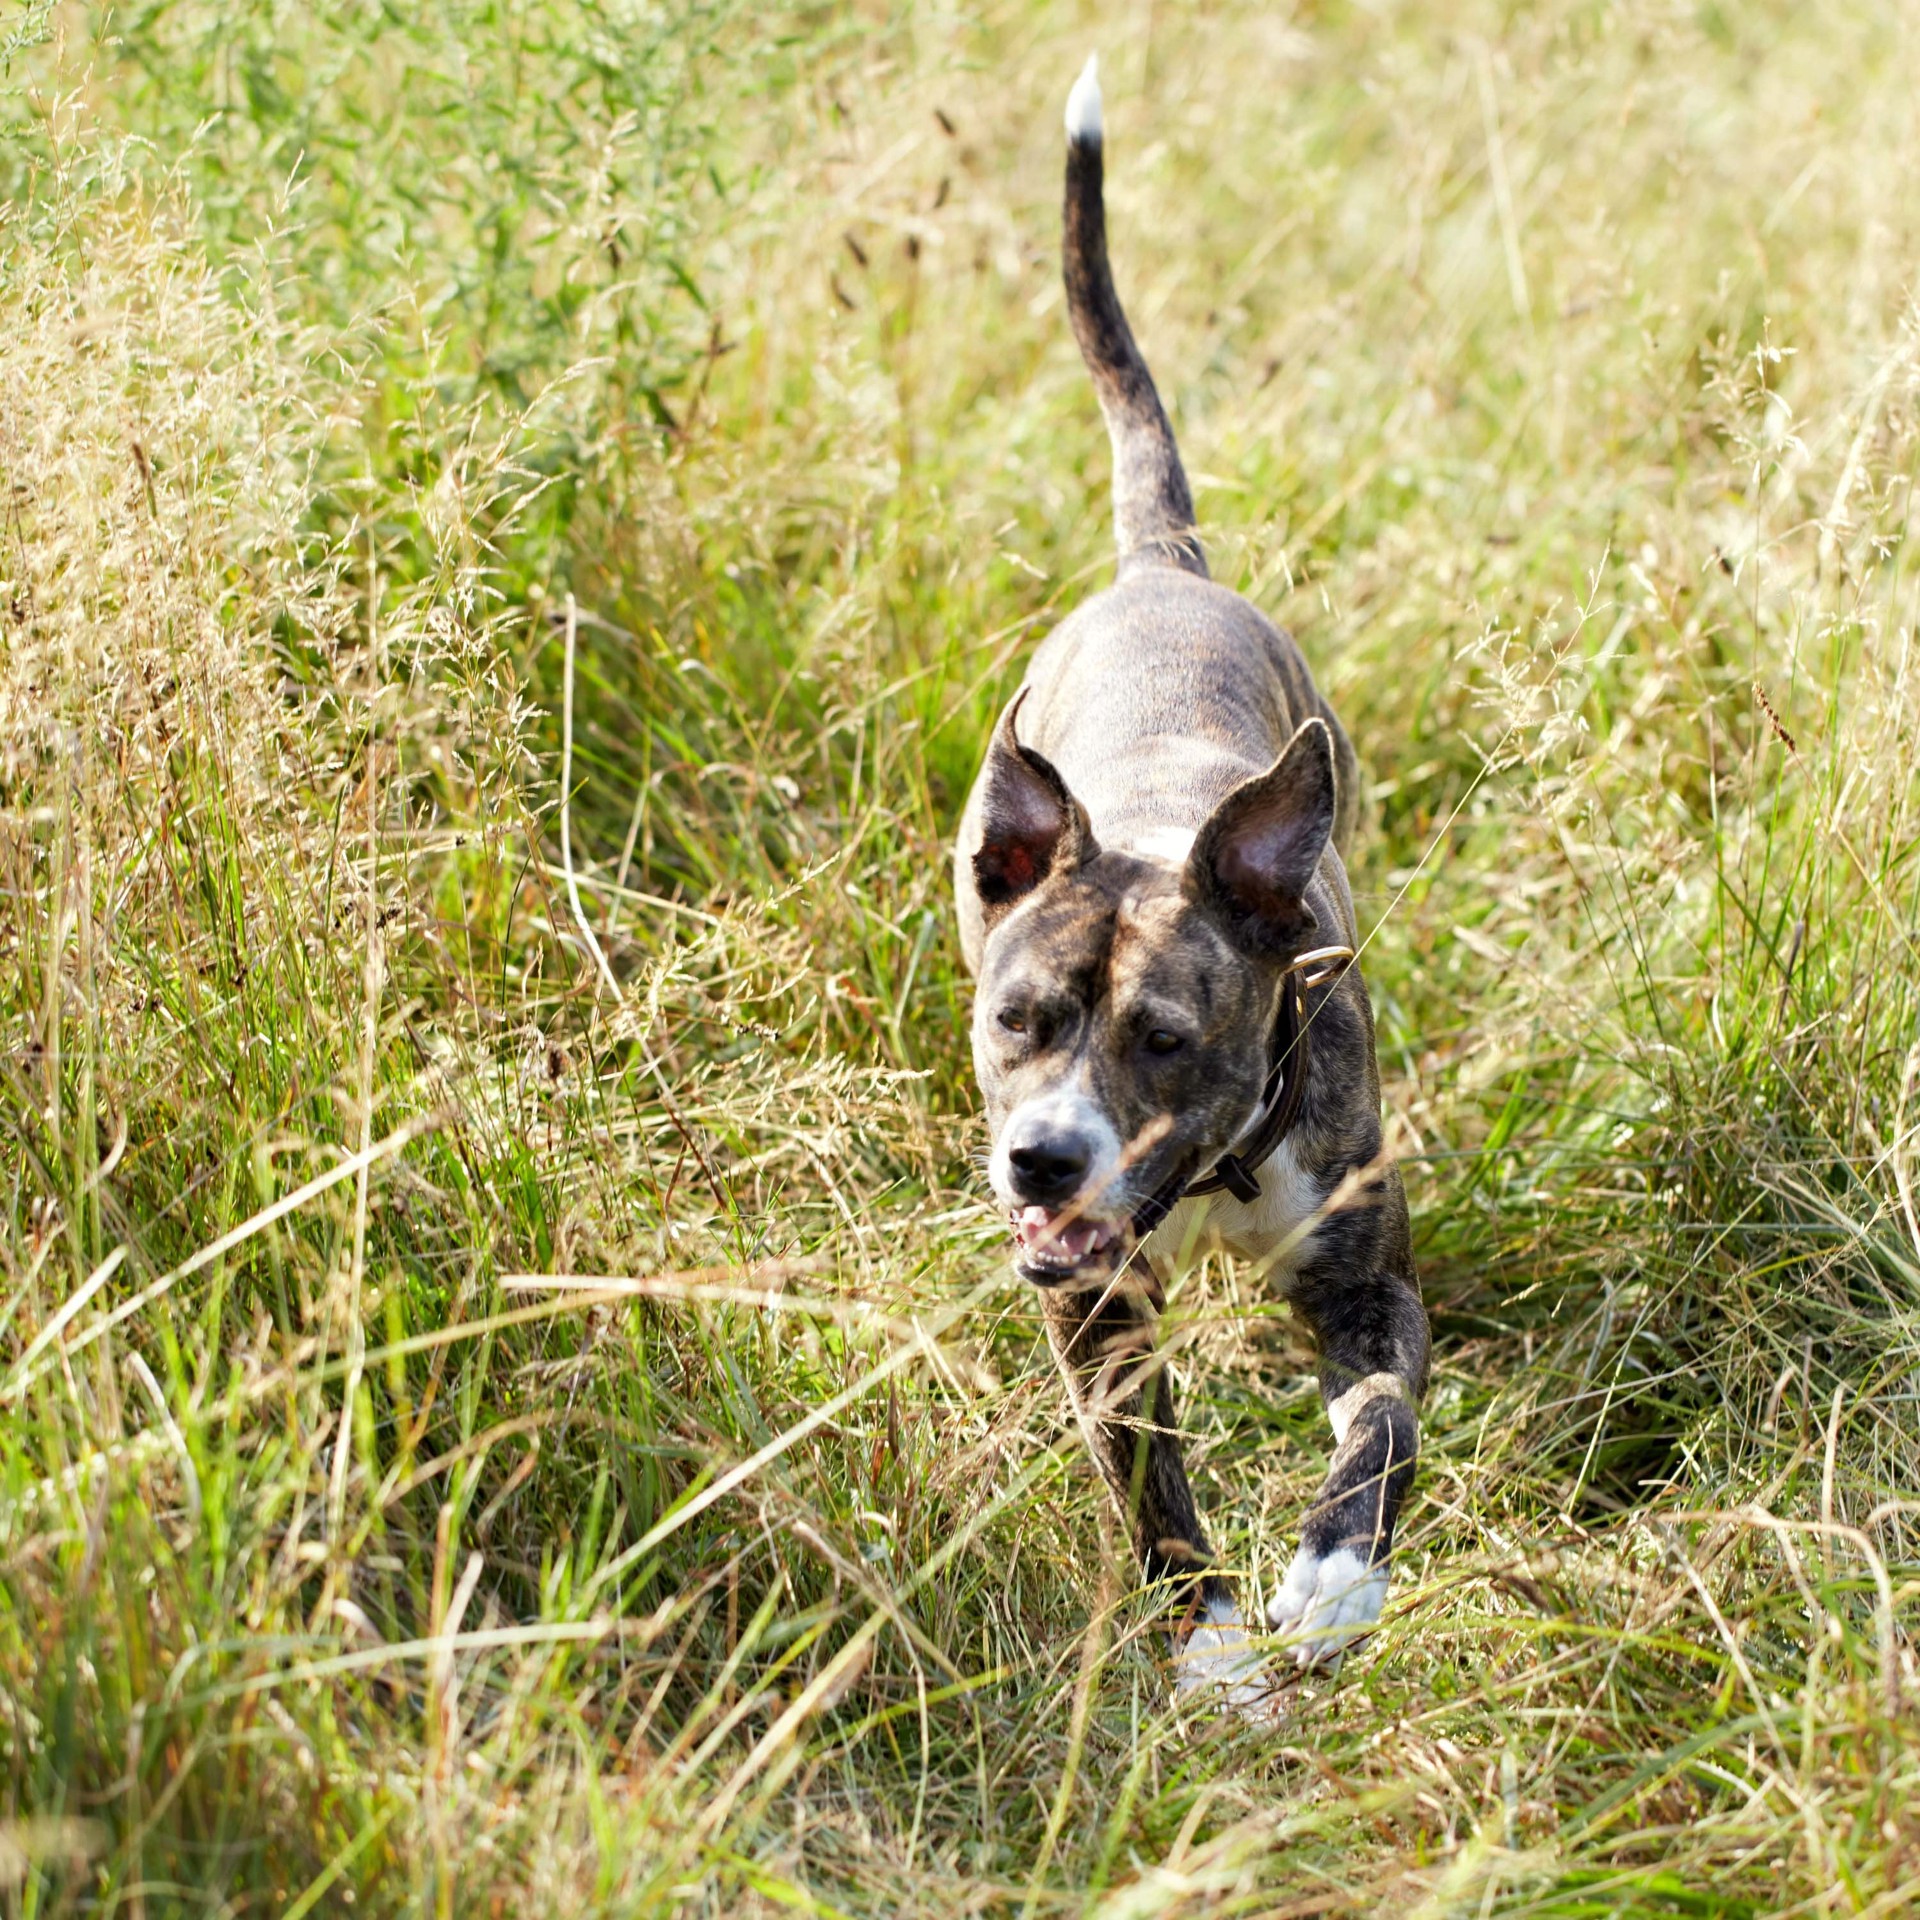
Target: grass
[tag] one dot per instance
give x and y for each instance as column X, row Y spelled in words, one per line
column 479, row 1438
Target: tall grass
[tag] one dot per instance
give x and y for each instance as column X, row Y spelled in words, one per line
column 509, row 1408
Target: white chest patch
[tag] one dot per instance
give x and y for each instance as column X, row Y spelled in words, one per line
column 1276, row 1229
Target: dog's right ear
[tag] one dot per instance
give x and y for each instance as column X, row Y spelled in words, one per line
column 1030, row 825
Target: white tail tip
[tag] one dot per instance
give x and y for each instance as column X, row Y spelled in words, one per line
column 1083, row 105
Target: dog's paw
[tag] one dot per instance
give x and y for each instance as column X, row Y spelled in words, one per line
column 1325, row 1604
column 1217, row 1664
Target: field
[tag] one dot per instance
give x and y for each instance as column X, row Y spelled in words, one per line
column 514, row 521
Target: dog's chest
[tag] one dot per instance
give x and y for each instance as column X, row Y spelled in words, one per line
column 1277, row 1227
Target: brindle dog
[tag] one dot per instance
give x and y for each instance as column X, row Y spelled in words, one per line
column 1156, row 839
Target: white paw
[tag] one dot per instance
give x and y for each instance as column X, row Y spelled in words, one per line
column 1325, row 1605
column 1217, row 1659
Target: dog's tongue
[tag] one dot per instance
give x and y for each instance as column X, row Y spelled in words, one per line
column 1037, row 1230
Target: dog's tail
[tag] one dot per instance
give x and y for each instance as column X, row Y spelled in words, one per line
column 1152, row 508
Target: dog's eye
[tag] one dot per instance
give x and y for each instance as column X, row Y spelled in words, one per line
column 1013, row 1019
column 1161, row 1041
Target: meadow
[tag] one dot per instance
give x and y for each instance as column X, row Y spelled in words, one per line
column 515, row 519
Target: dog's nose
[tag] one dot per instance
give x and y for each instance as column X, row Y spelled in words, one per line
column 1050, row 1170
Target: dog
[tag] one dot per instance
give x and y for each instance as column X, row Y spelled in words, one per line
column 1171, row 1034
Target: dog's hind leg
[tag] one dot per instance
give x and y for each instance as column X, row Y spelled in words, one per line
column 1122, row 1393
column 1373, row 1369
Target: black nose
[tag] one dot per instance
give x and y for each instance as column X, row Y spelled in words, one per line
column 1046, row 1172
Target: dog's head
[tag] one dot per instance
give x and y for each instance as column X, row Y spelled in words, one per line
column 1121, row 1025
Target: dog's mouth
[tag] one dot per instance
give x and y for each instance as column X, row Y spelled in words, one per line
column 1050, row 1247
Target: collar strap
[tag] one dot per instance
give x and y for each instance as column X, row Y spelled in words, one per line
column 1284, row 1095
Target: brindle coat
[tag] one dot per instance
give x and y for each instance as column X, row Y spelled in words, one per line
column 1161, row 826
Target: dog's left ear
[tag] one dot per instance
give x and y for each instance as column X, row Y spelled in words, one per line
column 1030, row 825
column 1254, row 858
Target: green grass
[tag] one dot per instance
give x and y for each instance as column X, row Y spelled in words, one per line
column 477, row 1440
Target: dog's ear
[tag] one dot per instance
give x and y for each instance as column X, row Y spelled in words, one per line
column 1030, row 825
column 1254, row 857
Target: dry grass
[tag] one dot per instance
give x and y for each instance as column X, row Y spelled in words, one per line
column 481, row 1439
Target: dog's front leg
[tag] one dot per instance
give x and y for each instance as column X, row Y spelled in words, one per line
column 1373, row 1368
column 1122, row 1393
